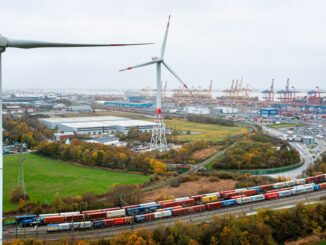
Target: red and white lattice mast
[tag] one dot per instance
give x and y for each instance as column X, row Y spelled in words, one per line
column 158, row 140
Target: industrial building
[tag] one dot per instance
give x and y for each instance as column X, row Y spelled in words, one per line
column 268, row 112
column 96, row 125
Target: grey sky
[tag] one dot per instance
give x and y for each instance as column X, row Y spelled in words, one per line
column 211, row 39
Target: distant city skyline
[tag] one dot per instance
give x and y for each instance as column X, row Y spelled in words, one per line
column 208, row 40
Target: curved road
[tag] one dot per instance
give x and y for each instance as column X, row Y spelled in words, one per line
column 10, row 232
column 305, row 155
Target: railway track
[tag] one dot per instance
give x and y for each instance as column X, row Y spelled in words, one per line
column 40, row 233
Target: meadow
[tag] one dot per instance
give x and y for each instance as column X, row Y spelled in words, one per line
column 46, row 177
column 202, row 131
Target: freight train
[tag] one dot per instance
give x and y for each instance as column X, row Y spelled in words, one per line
column 170, row 208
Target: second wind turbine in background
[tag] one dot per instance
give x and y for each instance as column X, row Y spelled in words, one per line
column 158, row 140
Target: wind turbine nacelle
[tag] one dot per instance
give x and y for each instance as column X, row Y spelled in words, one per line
column 3, row 42
column 154, row 58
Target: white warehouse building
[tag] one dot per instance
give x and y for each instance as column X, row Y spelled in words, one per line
column 96, row 125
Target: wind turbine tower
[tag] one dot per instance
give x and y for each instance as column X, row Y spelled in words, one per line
column 158, row 140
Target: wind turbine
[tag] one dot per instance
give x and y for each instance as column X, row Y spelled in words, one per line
column 28, row 44
column 158, row 140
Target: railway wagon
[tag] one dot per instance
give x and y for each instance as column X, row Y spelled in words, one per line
column 228, row 203
column 26, row 219
column 162, row 214
column 243, row 200
column 257, row 198
column 198, row 208
column 322, row 186
column 115, row 213
column 74, row 218
column 213, row 205
column 96, row 215
column 284, row 193
column 211, row 198
column 186, row 202
column 148, row 208
column 272, row 195
column 53, row 220
column 144, row 217
column 197, row 197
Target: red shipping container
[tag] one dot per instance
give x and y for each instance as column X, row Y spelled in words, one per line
column 272, row 195
column 110, row 209
column 74, row 218
column 170, row 204
column 197, row 197
column 187, row 202
column 180, row 211
column 54, row 219
column 266, row 187
column 108, row 222
column 91, row 211
column 238, row 196
column 213, row 205
column 311, row 179
column 122, row 221
column 283, row 189
column 198, row 208
column 130, row 206
column 149, row 217
column 249, row 192
column 322, row 186
column 97, row 215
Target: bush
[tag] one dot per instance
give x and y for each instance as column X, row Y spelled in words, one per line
column 175, row 183
column 17, row 193
column 188, row 178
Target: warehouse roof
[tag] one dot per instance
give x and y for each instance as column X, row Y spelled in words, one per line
column 82, row 119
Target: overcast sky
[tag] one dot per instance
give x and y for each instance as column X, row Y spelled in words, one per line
column 217, row 40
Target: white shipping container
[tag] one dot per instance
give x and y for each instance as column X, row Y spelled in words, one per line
column 158, row 215
column 48, row 215
column 167, row 213
column 300, row 181
column 290, row 183
column 64, row 226
column 82, row 225
column 69, row 213
column 257, row 198
column 298, row 190
column 279, row 185
column 309, row 188
column 115, row 213
column 180, row 199
column 243, row 200
column 52, row 227
column 147, row 204
column 284, row 193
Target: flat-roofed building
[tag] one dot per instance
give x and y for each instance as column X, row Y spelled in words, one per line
column 96, row 125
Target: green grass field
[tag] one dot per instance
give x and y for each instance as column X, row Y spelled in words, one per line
column 45, row 177
column 285, row 125
column 209, row 132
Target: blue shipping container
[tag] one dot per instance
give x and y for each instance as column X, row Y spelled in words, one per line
column 231, row 202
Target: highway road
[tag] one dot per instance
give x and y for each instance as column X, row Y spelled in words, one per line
column 10, row 232
column 305, row 154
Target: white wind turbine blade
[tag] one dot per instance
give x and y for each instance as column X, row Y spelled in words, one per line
column 177, row 77
column 27, row 44
column 165, row 38
column 141, row 65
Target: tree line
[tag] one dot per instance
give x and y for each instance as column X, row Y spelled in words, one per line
column 25, row 130
column 99, row 155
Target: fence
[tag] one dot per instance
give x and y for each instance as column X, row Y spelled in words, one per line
column 264, row 171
